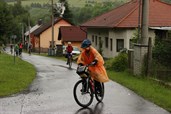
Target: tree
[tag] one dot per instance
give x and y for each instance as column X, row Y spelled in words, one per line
column 67, row 13
column 6, row 21
column 11, row 18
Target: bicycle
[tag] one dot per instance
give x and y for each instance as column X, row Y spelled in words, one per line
column 85, row 88
column 69, row 61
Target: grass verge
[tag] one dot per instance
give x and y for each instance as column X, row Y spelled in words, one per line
column 144, row 87
column 16, row 77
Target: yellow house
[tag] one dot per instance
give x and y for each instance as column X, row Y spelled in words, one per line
column 42, row 37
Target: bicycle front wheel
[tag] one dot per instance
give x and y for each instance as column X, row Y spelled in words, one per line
column 70, row 62
column 83, row 98
column 99, row 91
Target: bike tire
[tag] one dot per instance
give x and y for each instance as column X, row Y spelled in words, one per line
column 78, row 95
column 70, row 62
column 99, row 95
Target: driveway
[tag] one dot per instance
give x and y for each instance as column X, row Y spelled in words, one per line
column 52, row 93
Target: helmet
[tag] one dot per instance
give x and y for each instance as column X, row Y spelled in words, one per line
column 86, row 43
column 69, row 42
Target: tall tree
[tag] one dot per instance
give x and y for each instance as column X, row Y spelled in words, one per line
column 67, row 13
column 6, row 21
column 11, row 18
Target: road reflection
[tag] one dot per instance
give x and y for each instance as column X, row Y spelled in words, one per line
column 98, row 109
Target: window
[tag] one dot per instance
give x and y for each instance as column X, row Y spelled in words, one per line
column 111, row 44
column 96, row 40
column 120, row 44
column 92, row 38
column 106, row 42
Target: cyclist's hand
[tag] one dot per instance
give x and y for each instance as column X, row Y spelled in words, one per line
column 94, row 62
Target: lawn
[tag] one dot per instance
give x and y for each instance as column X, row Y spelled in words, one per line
column 144, row 87
column 14, row 78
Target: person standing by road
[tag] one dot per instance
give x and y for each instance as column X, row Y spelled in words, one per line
column 20, row 48
column 11, row 48
column 16, row 49
column 30, row 49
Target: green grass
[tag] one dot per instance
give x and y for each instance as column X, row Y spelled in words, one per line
column 16, row 77
column 144, row 87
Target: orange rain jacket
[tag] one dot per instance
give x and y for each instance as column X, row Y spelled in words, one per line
column 97, row 72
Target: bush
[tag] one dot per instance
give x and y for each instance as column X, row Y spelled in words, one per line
column 162, row 52
column 118, row 64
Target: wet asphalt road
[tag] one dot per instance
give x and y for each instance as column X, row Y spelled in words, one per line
column 52, row 93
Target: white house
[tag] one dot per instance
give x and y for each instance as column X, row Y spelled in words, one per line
column 115, row 28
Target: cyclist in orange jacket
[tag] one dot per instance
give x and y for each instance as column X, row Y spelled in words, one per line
column 90, row 55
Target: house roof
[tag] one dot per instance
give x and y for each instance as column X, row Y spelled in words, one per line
column 126, row 16
column 71, row 33
column 32, row 29
column 44, row 27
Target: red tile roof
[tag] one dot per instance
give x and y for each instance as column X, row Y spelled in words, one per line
column 127, row 16
column 71, row 33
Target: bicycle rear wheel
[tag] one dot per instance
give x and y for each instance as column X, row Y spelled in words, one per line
column 70, row 61
column 83, row 98
column 99, row 91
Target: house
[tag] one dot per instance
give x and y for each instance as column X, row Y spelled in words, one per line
column 26, row 34
column 115, row 28
column 43, row 35
column 73, row 34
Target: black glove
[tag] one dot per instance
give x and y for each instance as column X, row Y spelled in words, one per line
column 94, row 62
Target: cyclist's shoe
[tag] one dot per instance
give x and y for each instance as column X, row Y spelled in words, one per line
column 67, row 63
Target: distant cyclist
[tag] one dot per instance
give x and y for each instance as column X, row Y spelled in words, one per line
column 69, row 50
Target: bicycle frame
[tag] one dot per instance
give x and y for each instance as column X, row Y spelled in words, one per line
column 89, row 83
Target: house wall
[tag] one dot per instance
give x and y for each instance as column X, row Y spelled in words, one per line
column 46, row 36
column 114, row 34
column 98, row 33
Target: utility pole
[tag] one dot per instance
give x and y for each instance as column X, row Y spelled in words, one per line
column 29, row 32
column 145, row 22
column 52, row 43
column 22, row 33
column 139, row 21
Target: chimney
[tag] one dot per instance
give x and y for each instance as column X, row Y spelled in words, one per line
column 39, row 22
